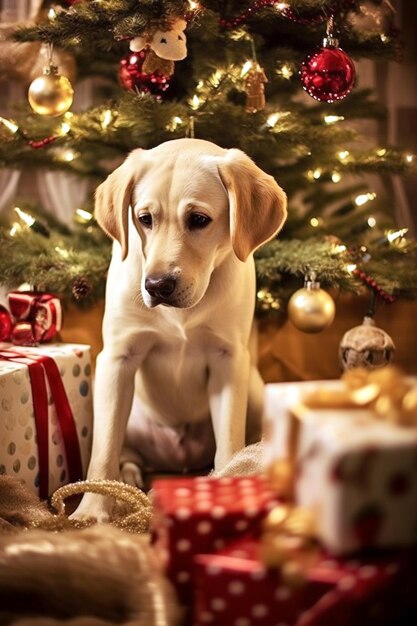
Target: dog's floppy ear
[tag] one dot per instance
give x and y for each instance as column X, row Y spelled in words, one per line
column 258, row 205
column 113, row 198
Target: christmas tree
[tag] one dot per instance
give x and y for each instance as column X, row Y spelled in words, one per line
column 240, row 85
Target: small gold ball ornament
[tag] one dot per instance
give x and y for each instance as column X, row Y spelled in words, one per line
column 311, row 309
column 50, row 94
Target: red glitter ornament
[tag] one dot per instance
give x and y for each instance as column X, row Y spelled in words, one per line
column 132, row 76
column 328, row 74
column 5, row 324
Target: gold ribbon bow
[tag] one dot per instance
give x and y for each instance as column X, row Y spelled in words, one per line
column 288, row 542
column 385, row 392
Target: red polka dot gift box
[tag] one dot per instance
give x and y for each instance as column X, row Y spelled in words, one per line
column 354, row 469
column 46, row 414
column 200, row 515
column 234, row 588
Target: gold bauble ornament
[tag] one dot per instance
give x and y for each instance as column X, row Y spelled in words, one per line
column 50, row 94
column 311, row 309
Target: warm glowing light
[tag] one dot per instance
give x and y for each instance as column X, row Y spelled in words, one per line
column 107, row 118
column 65, row 128
column 239, row 34
column 332, row 119
column 397, row 234
column 409, row 158
column 216, row 78
column 381, row 152
column 25, row 217
column 68, row 156
column 133, row 59
column 200, row 84
column 52, row 14
column 16, row 228
column 174, row 123
column 336, row 177
column 343, row 155
column 363, row 198
column 384, row 38
column 68, row 115
column 193, row 5
column 281, row 6
column 371, row 222
column 62, row 252
column 314, row 222
column 86, row 216
column 285, row 71
column 313, row 175
column 339, row 248
column 9, row 125
column 272, row 119
column 245, row 69
column 351, row 267
column 195, row 102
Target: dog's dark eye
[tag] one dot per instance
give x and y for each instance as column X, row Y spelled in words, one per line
column 163, row 40
column 198, row 220
column 146, row 220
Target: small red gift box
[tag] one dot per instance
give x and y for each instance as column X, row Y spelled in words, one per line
column 233, row 587
column 37, row 317
column 199, row 515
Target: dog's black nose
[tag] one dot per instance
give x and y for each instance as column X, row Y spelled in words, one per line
column 160, row 286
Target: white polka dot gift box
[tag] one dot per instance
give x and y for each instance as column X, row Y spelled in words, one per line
column 354, row 465
column 199, row 515
column 233, row 588
column 46, row 414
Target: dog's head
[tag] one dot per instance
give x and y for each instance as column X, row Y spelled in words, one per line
column 193, row 204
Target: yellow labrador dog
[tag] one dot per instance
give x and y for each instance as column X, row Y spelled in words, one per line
column 186, row 217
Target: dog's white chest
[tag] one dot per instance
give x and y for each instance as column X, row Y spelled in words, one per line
column 172, row 382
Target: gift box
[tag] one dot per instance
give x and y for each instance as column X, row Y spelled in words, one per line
column 354, row 468
column 234, row 587
column 46, row 416
column 199, row 515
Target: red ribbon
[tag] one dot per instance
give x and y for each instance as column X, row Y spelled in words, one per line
column 41, row 366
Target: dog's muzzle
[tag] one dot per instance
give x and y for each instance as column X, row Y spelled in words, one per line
column 160, row 288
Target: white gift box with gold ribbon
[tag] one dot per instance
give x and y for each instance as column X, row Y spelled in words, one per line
column 352, row 457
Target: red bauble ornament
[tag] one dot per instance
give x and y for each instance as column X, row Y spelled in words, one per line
column 132, row 76
column 328, row 73
column 5, row 324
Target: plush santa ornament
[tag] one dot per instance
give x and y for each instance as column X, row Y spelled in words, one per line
column 164, row 46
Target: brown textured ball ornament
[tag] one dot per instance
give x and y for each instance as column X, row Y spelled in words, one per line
column 50, row 94
column 366, row 346
column 311, row 309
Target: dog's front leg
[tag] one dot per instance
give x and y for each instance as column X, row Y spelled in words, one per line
column 113, row 394
column 228, row 397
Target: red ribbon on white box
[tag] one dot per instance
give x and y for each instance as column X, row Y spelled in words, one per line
column 41, row 368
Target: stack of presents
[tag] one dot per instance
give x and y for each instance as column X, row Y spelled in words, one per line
column 325, row 536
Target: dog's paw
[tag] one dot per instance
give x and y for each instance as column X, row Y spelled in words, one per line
column 94, row 507
column 131, row 474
